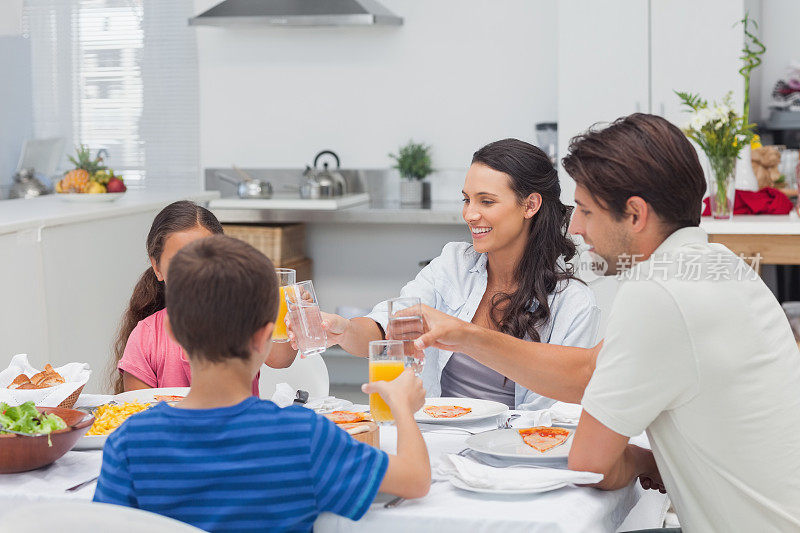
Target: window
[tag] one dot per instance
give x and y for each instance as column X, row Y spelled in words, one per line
column 119, row 75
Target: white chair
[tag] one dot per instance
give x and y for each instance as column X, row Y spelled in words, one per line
column 309, row 374
column 79, row 517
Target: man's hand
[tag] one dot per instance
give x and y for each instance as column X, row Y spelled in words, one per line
column 404, row 394
column 334, row 325
column 442, row 331
column 652, row 480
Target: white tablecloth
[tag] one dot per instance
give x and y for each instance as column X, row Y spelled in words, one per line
column 444, row 509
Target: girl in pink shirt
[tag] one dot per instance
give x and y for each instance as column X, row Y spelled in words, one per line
column 145, row 355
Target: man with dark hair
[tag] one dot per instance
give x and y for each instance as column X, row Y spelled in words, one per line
column 697, row 351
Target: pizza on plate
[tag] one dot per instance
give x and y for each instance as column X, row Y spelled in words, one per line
column 446, row 411
column 346, row 417
column 168, row 398
column 543, row 438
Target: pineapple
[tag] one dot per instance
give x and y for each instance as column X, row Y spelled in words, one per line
column 79, row 180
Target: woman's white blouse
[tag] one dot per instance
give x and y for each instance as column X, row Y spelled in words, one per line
column 455, row 283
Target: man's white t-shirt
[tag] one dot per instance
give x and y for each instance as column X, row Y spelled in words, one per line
column 700, row 354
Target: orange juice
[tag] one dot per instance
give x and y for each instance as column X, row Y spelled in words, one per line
column 382, row 371
column 279, row 333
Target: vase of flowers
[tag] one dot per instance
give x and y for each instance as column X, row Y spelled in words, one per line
column 721, row 133
column 414, row 164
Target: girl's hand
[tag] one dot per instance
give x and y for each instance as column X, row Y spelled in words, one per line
column 335, row 327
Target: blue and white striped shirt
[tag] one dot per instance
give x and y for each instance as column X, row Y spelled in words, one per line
column 249, row 467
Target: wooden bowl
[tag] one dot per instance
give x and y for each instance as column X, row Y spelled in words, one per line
column 20, row 454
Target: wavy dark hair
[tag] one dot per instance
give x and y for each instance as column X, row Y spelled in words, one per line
column 539, row 270
column 149, row 295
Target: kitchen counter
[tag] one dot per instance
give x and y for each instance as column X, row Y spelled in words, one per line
column 376, row 212
column 51, row 210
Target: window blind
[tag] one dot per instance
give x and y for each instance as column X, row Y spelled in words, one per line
column 120, row 75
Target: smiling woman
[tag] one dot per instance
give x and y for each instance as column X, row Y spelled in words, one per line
column 513, row 277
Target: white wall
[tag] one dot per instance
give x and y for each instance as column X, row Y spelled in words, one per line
column 11, row 17
column 778, row 29
column 456, row 74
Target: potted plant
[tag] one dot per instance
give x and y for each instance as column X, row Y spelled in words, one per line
column 414, row 164
column 722, row 133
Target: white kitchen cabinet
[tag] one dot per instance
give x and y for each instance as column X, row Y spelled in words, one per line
column 602, row 67
column 695, row 47
column 621, row 56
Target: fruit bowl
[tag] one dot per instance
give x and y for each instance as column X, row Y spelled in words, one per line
column 86, row 198
column 20, row 454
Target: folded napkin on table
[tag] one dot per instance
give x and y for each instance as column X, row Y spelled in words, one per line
column 767, row 201
column 513, row 477
column 565, row 413
column 75, row 376
column 285, row 395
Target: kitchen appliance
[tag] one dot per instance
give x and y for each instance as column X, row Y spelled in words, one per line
column 297, row 13
column 323, row 183
column 547, row 139
column 26, row 185
column 247, row 186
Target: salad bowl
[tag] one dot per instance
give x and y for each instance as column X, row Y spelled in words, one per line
column 20, row 454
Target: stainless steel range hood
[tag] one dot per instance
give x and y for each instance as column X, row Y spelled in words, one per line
column 297, row 13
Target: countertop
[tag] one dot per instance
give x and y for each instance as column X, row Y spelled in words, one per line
column 52, row 210
column 375, row 212
column 449, row 213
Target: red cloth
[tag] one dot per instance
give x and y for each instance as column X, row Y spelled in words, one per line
column 767, row 201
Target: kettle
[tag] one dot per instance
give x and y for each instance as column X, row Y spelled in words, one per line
column 331, row 183
column 26, row 185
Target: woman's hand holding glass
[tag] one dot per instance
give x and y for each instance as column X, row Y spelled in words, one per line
column 334, row 326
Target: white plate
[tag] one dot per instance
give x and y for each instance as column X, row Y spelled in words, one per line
column 87, row 198
column 148, row 395
column 480, row 409
column 459, row 484
column 96, row 442
column 508, row 443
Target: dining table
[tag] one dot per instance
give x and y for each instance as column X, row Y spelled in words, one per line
column 444, row 509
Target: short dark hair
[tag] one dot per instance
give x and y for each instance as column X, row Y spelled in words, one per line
column 220, row 291
column 640, row 155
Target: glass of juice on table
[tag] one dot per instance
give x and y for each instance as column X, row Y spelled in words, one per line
column 286, row 276
column 405, row 324
column 303, row 309
column 387, row 360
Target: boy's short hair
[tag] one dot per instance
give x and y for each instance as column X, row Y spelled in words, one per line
column 640, row 155
column 220, row 291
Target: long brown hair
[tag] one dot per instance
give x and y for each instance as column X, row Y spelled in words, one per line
column 539, row 270
column 149, row 296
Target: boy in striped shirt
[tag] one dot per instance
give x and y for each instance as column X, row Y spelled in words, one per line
column 223, row 460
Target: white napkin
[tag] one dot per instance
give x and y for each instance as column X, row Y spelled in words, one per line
column 75, row 375
column 565, row 413
column 511, row 478
column 284, row 395
column 68, row 471
column 329, row 404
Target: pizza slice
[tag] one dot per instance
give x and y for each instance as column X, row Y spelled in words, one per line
column 168, row 398
column 346, row 417
column 543, row 438
column 446, row 411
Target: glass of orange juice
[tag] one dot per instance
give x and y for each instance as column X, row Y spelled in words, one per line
column 387, row 360
column 286, row 276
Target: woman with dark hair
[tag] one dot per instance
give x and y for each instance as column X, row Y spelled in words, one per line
column 144, row 354
column 513, row 278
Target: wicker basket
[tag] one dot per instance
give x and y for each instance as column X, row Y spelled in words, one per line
column 71, row 399
column 282, row 243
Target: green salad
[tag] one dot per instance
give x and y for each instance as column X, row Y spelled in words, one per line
column 27, row 419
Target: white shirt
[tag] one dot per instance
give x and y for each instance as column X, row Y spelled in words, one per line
column 455, row 283
column 704, row 359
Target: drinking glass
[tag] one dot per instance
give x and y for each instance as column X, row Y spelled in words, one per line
column 286, row 276
column 387, row 360
column 405, row 324
column 303, row 308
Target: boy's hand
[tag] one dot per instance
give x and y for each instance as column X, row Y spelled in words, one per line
column 334, row 326
column 403, row 395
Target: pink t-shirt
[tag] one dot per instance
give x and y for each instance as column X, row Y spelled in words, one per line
column 154, row 358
